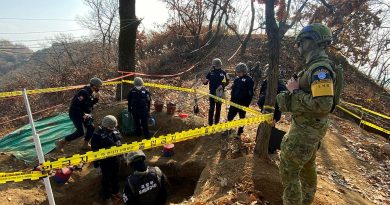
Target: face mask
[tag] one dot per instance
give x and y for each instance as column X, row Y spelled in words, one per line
column 95, row 88
column 138, row 87
column 306, row 46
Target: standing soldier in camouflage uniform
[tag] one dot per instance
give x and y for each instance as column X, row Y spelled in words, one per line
column 311, row 97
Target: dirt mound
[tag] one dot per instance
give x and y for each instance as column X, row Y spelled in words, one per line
column 245, row 179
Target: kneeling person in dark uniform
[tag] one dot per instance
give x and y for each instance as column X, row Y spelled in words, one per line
column 106, row 137
column 147, row 185
column 80, row 113
column 139, row 106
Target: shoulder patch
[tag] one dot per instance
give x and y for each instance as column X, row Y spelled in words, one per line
column 321, row 73
column 322, row 82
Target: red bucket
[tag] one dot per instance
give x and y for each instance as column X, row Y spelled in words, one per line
column 183, row 115
column 168, row 150
column 62, row 175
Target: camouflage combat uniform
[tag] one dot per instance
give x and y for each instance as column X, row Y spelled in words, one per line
column 310, row 106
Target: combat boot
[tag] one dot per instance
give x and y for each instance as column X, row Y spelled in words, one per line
column 86, row 146
column 60, row 145
column 236, row 145
column 224, row 144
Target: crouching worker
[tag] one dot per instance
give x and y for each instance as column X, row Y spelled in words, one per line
column 105, row 137
column 80, row 113
column 146, row 185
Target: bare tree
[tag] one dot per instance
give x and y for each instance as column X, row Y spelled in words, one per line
column 264, row 129
column 225, row 9
column 275, row 33
column 68, row 62
column 191, row 14
column 235, row 29
column 213, row 5
column 103, row 21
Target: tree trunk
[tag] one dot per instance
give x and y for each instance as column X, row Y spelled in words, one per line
column 248, row 36
column 211, row 22
column 264, row 129
column 127, row 42
column 211, row 41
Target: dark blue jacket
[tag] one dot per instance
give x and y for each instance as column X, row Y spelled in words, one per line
column 105, row 138
column 242, row 90
column 263, row 94
column 82, row 102
column 138, row 101
column 215, row 78
column 281, row 87
column 145, row 188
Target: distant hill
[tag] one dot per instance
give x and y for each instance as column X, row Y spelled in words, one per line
column 12, row 55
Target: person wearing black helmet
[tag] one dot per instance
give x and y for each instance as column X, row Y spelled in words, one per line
column 312, row 94
column 146, row 185
column 138, row 105
column 80, row 113
column 105, row 137
column 217, row 79
column 242, row 94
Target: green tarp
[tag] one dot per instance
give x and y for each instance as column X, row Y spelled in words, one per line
column 20, row 142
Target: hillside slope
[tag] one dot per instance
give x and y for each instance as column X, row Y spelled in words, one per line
column 352, row 166
column 352, row 170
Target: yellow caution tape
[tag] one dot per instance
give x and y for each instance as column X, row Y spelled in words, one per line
column 190, row 90
column 269, row 107
column 247, row 109
column 375, row 113
column 48, row 90
column 126, row 148
column 112, row 83
column 359, row 106
column 349, row 112
column 58, row 89
column 170, row 87
column 365, row 122
column 20, row 176
column 368, row 110
column 376, row 127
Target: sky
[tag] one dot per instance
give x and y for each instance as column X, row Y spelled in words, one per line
column 64, row 12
